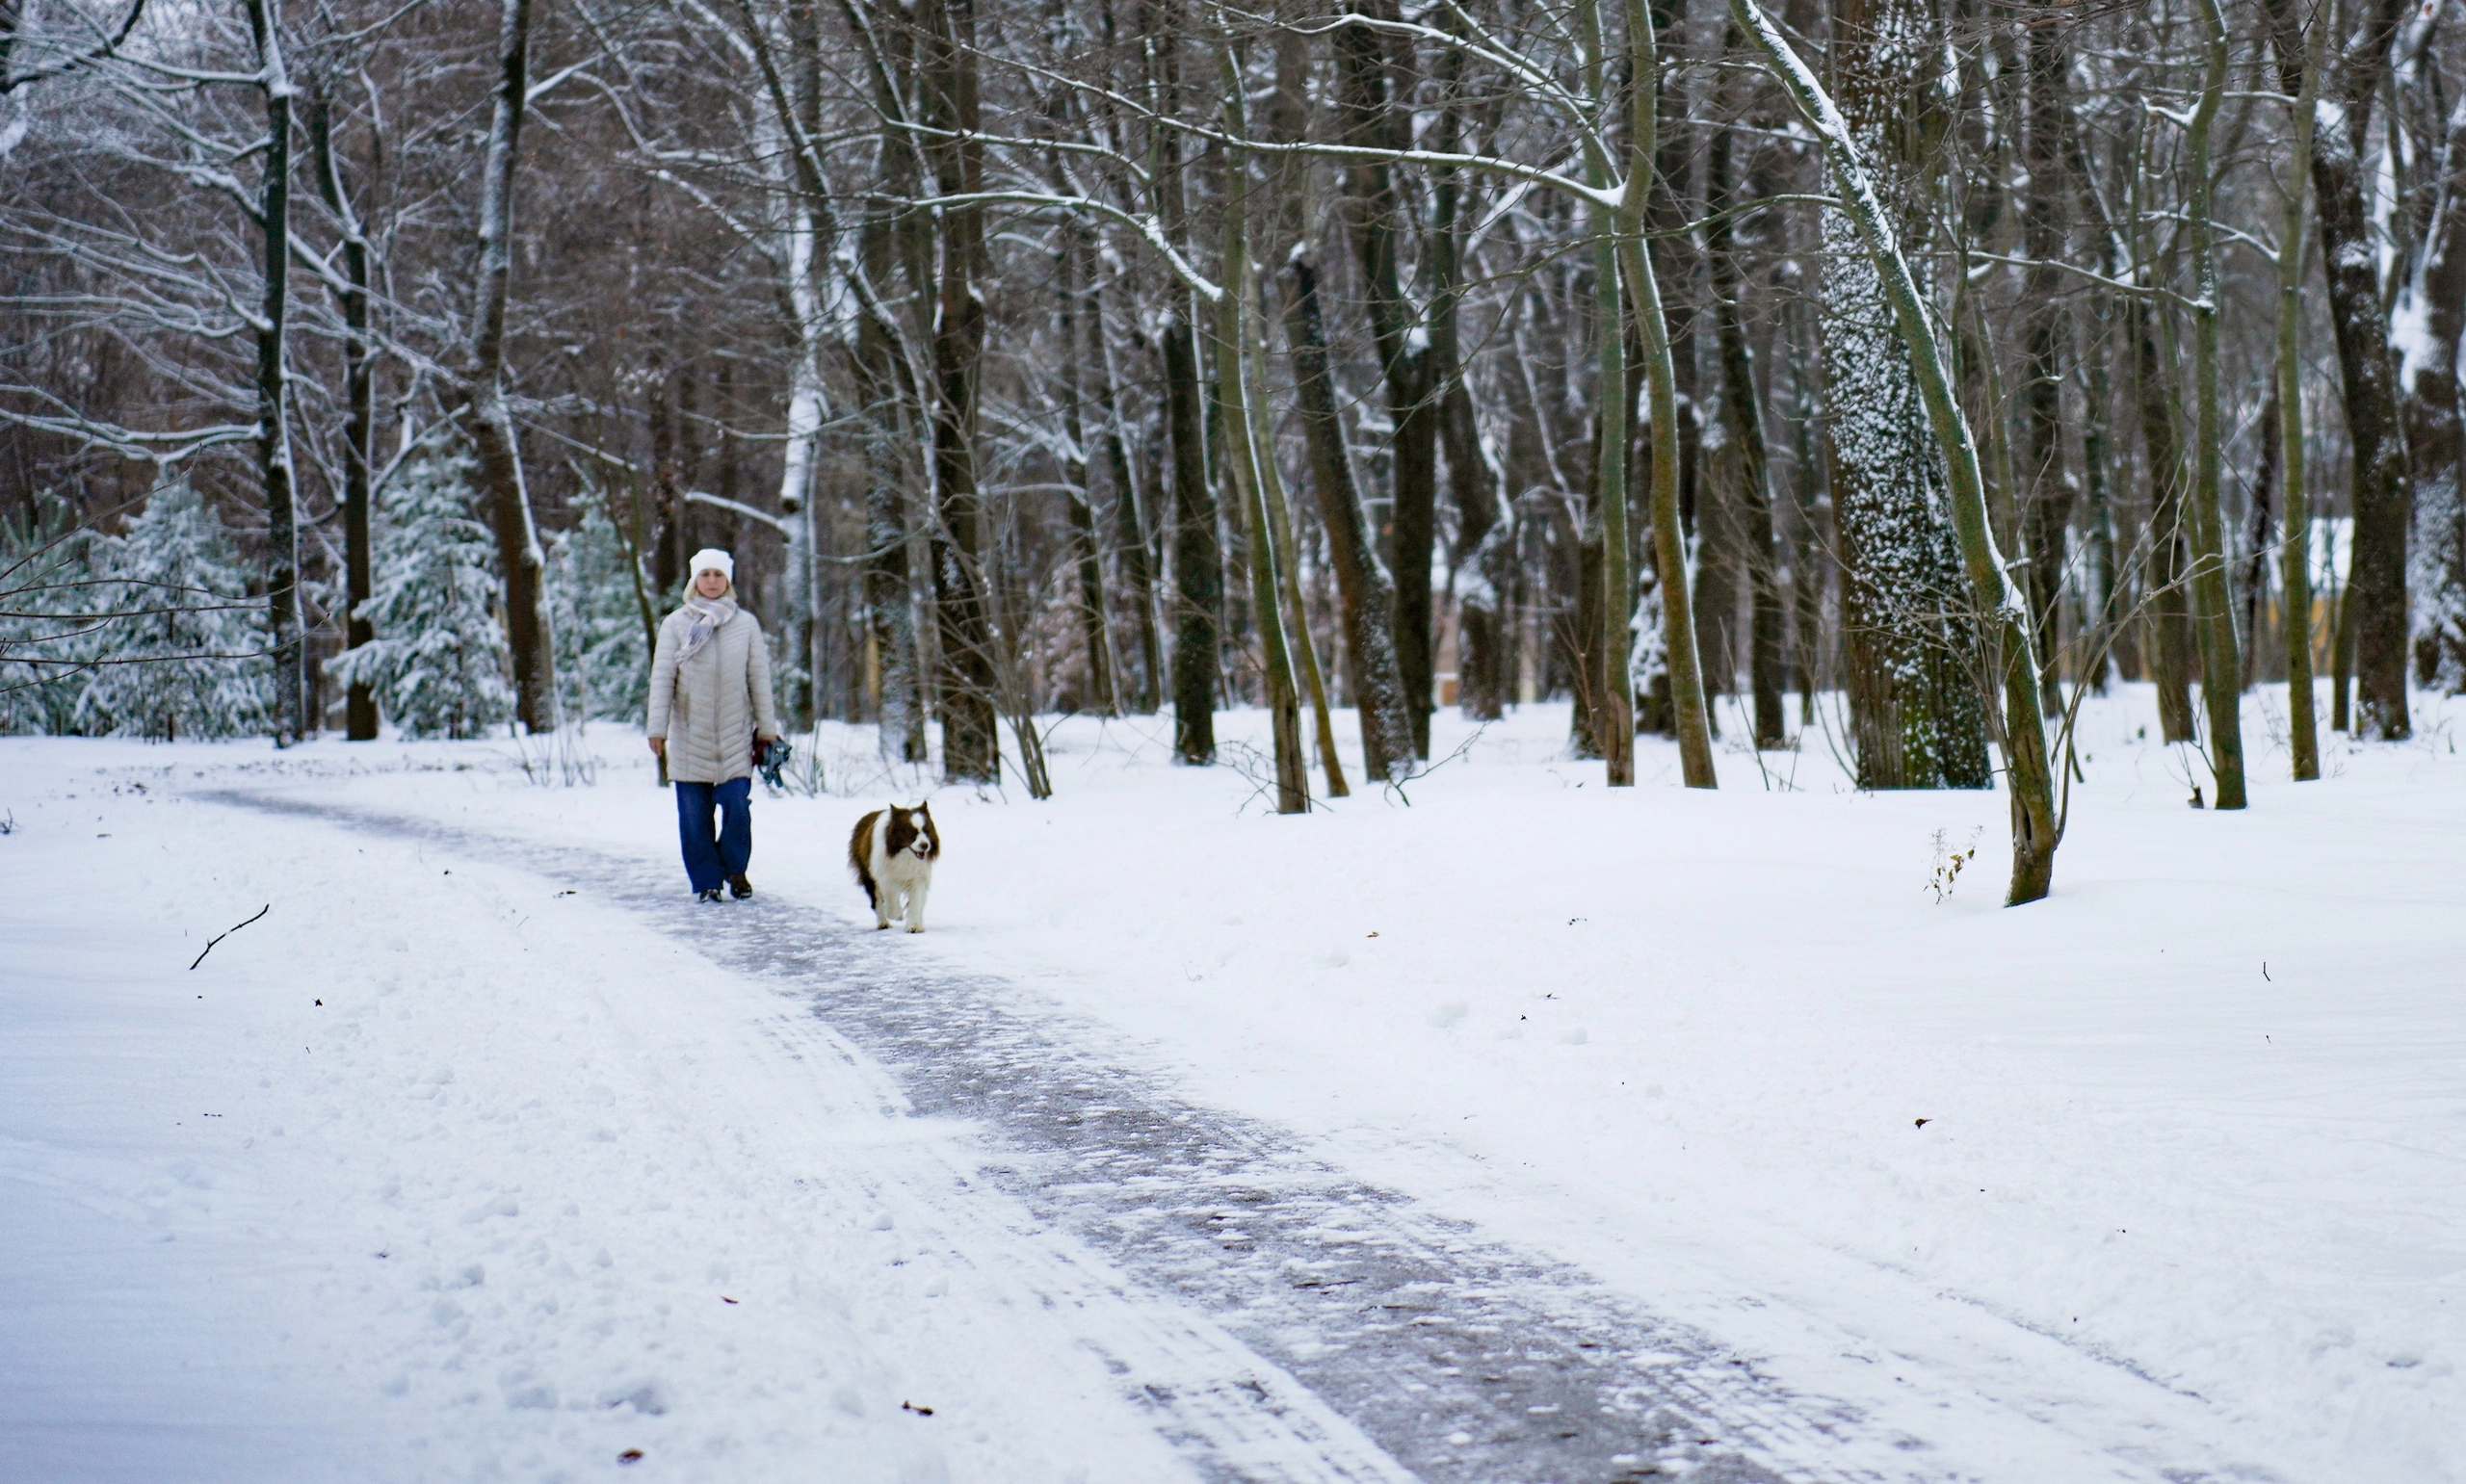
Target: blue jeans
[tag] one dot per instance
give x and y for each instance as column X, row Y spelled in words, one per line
column 709, row 860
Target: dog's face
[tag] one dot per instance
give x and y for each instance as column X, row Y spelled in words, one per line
column 911, row 830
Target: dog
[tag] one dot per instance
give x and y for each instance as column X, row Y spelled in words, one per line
column 893, row 851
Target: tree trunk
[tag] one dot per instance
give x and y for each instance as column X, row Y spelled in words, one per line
column 2299, row 76
column 1478, row 559
column 1199, row 557
column 273, row 431
column 1297, row 613
column 2170, row 552
column 1706, row 522
column 809, row 244
column 1198, row 561
column 487, row 420
column 1485, row 559
column 1243, row 440
column 2103, row 606
column 1613, row 682
column 2342, row 647
column 2036, row 832
column 667, row 502
column 2255, row 584
column 1643, row 293
column 1131, row 533
column 2047, row 488
column 1915, row 715
column 1288, row 570
column 1096, row 617
column 2222, row 684
column 962, row 596
column 2376, row 581
column 1374, row 118
column 1810, row 505
column 893, row 427
column 1275, row 228
column 2436, row 430
column 1742, row 414
column 359, row 430
column 1363, row 590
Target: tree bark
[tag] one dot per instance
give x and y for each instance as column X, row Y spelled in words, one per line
column 2102, row 609
column 360, row 428
column 2436, row 430
column 2047, row 493
column 1363, row 590
column 2221, row 684
column 1094, row 613
column 2035, row 830
column 487, row 421
column 1707, row 525
column 2382, row 502
column 1688, row 712
column 1373, row 118
column 1481, row 559
column 1235, row 328
column 963, row 599
column 1743, row 413
column 1915, row 715
column 1131, row 528
column 2301, row 81
column 1198, row 560
column 2255, row 583
column 898, row 453
column 1613, row 702
column 273, row 421
column 1199, row 557
column 1811, row 508
column 668, row 484
column 1289, row 575
column 893, row 424
column 2170, row 550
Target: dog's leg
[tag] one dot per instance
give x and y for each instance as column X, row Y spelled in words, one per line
column 885, row 902
column 916, row 907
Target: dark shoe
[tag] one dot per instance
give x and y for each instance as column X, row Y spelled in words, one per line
column 739, row 887
column 707, row 893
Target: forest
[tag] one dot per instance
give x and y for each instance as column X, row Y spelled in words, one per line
column 1879, row 374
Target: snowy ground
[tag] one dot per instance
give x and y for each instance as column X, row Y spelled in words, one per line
column 556, row 1171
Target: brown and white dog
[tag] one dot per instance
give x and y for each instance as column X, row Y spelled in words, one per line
column 892, row 852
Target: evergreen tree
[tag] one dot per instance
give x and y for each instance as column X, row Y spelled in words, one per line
column 603, row 657
column 42, row 589
column 437, row 665
column 186, row 653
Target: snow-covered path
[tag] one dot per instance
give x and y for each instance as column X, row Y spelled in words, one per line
column 1276, row 1318
column 484, row 1189
column 1463, row 1360
column 487, row 1154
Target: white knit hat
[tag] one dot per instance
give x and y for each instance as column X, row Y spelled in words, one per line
column 712, row 559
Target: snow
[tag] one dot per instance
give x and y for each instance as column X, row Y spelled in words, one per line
column 2185, row 1194
column 528, row 1187
column 2410, row 336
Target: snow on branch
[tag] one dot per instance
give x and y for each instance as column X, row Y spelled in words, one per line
column 105, row 47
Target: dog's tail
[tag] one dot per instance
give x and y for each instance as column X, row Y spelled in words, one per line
column 860, row 855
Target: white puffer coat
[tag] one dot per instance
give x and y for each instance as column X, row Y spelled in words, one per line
column 713, row 706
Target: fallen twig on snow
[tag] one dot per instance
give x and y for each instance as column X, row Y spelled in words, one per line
column 225, row 933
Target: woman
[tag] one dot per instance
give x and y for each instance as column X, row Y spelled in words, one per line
column 711, row 697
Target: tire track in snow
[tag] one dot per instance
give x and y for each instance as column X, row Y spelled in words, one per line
column 1408, row 1339
column 1230, row 1415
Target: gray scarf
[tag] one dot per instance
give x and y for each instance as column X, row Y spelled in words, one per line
column 710, row 617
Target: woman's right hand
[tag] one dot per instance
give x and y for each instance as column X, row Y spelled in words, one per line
column 659, row 746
